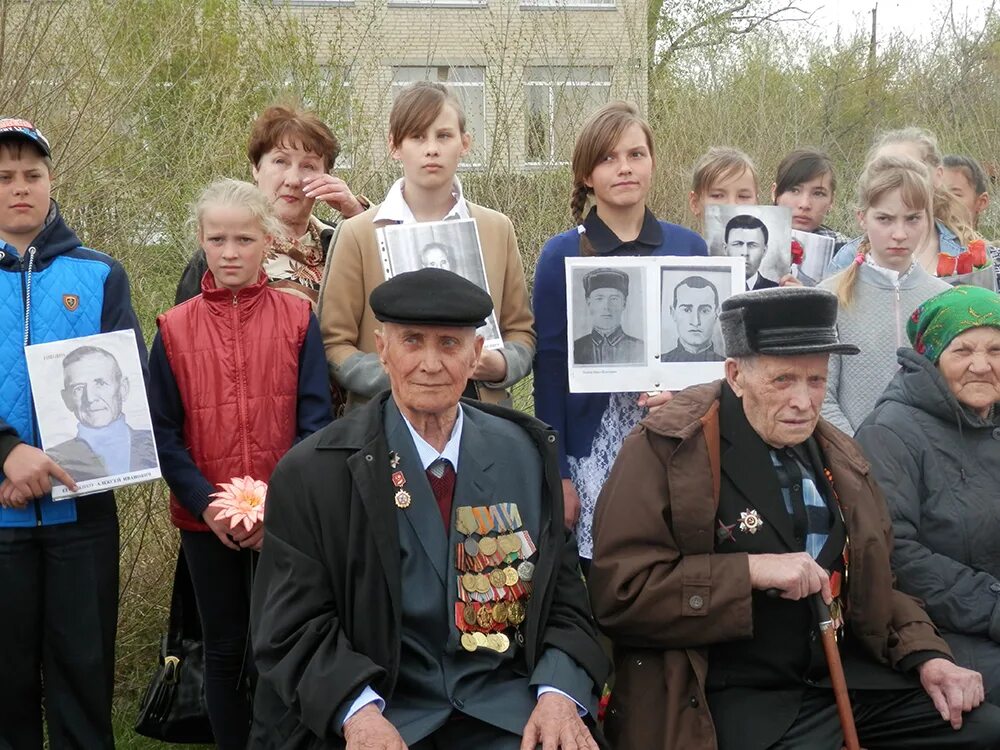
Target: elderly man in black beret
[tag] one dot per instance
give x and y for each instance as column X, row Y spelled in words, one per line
column 417, row 588
column 606, row 293
column 728, row 511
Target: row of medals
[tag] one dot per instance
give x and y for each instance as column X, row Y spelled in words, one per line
column 490, row 616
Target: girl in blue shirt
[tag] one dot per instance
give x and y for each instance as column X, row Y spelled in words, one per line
column 613, row 163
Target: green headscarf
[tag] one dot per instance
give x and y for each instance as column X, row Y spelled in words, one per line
column 940, row 319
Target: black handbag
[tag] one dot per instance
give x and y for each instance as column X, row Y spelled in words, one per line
column 173, row 708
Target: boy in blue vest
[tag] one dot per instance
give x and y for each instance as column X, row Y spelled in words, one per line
column 58, row 560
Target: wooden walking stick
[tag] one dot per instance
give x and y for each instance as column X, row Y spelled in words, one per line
column 828, row 633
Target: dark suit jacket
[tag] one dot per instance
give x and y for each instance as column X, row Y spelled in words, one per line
column 328, row 602
column 78, row 458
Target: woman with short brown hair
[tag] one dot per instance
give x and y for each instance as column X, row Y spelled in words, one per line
column 291, row 153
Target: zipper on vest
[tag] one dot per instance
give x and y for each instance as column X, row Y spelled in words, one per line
column 241, row 389
column 26, row 292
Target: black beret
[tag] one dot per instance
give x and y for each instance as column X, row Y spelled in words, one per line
column 431, row 297
column 782, row 321
column 605, row 278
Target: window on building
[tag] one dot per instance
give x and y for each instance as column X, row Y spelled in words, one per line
column 556, row 102
column 468, row 83
column 572, row 4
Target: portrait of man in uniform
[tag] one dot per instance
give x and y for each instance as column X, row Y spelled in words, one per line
column 695, row 313
column 606, row 295
column 95, row 390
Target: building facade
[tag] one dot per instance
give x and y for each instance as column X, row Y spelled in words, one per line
column 527, row 71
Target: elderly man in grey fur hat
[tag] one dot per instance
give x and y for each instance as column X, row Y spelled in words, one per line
column 726, row 511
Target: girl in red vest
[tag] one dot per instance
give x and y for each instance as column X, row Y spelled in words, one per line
column 237, row 376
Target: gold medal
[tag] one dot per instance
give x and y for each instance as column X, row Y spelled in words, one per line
column 492, row 642
column 469, row 581
column 484, row 617
column 482, row 583
column 497, row 579
column 469, row 614
column 510, row 577
column 502, row 641
column 499, row 613
column 509, row 544
column 488, row 545
column 515, row 613
column 403, row 499
column 480, row 639
column 468, row 642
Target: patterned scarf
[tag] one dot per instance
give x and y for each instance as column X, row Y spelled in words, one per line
column 296, row 265
column 937, row 322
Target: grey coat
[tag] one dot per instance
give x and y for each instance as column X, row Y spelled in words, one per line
column 939, row 467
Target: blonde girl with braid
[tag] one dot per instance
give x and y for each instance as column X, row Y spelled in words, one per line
column 613, row 166
column 954, row 230
column 881, row 287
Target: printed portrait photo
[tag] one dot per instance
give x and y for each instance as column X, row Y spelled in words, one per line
column 448, row 245
column 690, row 303
column 608, row 316
column 817, row 251
column 761, row 235
column 92, row 411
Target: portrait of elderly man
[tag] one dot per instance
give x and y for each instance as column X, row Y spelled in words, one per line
column 417, row 588
column 606, row 294
column 95, row 390
column 746, row 237
column 694, row 311
column 728, row 512
column 435, row 255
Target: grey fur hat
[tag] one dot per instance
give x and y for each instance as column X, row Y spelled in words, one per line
column 782, row 321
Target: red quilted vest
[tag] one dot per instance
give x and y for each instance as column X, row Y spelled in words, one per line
column 236, row 362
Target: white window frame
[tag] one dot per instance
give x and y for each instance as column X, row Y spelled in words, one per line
column 479, row 142
column 552, row 86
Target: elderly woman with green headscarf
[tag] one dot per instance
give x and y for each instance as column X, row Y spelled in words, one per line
column 934, row 445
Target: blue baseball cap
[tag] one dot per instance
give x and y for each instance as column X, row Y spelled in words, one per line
column 17, row 127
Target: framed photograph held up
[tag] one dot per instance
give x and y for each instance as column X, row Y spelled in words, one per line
column 817, row 254
column 93, row 417
column 761, row 235
column 452, row 245
column 646, row 323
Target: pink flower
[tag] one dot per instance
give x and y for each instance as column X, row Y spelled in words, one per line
column 241, row 501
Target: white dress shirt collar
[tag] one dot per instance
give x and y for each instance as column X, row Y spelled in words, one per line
column 428, row 453
column 396, row 210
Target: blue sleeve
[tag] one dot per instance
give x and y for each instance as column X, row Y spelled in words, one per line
column 551, row 384
column 678, row 240
column 315, row 409
column 118, row 314
column 167, row 412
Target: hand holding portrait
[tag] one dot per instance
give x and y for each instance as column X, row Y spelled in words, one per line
column 28, row 471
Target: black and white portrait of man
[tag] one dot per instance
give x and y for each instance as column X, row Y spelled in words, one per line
column 694, row 311
column 95, row 390
column 606, row 302
column 760, row 235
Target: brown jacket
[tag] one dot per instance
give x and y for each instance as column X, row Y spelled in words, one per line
column 663, row 596
column 354, row 269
